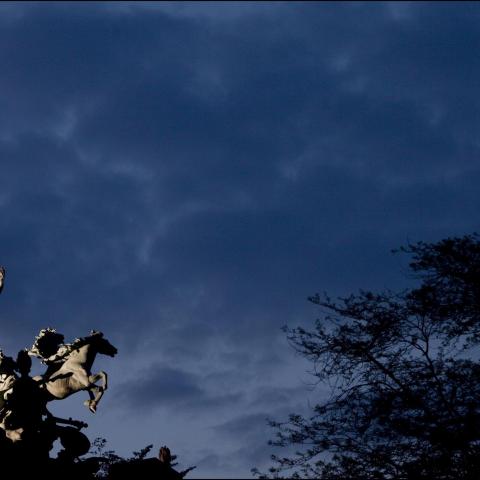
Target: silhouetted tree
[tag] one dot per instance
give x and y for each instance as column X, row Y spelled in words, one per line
column 404, row 377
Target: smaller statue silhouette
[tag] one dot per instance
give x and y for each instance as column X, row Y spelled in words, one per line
column 2, row 278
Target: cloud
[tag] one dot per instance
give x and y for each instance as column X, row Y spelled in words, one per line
column 177, row 389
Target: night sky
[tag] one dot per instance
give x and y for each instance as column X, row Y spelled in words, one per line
column 183, row 176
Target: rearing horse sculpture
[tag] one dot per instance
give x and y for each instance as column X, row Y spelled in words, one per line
column 74, row 371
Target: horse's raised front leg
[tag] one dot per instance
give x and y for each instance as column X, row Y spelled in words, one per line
column 96, row 392
column 100, row 376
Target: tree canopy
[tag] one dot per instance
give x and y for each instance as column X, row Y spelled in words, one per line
column 404, row 374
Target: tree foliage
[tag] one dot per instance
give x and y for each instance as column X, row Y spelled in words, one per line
column 404, row 374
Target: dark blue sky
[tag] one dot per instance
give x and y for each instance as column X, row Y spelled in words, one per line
column 182, row 176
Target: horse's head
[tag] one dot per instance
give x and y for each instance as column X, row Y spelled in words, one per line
column 101, row 344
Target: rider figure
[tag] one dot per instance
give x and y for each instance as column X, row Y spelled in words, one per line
column 50, row 349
